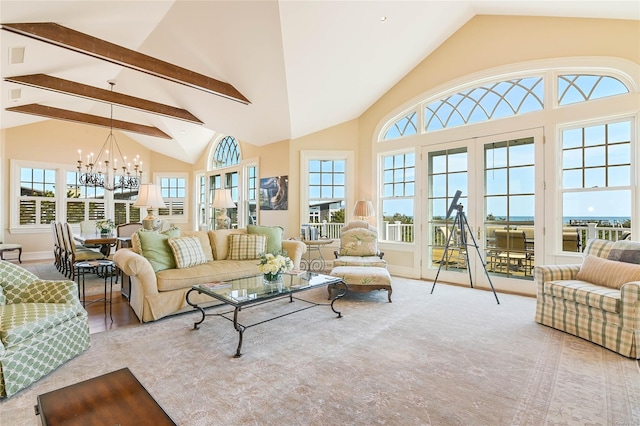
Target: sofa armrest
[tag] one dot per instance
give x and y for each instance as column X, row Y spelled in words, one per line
column 547, row 273
column 135, row 265
column 295, row 249
column 46, row 291
column 630, row 305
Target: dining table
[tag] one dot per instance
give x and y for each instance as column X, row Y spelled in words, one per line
column 105, row 241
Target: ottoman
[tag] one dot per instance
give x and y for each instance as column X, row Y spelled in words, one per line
column 363, row 278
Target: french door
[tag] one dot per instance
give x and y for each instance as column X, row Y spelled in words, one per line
column 493, row 227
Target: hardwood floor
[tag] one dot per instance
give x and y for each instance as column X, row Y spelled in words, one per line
column 122, row 314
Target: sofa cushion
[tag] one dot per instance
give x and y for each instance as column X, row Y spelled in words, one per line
column 3, row 298
column 608, row 273
column 203, row 236
column 374, row 261
column 274, row 236
column 246, row 247
column 585, row 293
column 217, row 270
column 220, row 241
column 625, row 251
column 155, row 248
column 21, row 321
column 187, row 251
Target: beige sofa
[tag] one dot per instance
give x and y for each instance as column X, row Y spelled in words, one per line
column 158, row 293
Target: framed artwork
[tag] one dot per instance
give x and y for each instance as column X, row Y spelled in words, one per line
column 274, row 193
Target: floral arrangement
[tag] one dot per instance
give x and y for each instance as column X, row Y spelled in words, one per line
column 105, row 225
column 274, row 264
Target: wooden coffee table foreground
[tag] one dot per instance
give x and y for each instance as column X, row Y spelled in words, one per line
column 115, row 398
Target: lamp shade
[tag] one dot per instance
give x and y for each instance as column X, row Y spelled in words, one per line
column 364, row 209
column 222, row 199
column 149, row 197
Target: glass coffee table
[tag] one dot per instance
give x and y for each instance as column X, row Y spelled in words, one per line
column 254, row 291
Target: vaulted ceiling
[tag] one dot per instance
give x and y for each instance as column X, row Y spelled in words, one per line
column 303, row 65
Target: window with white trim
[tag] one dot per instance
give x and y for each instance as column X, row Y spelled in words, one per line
column 174, row 193
column 398, row 172
column 37, row 199
column 596, row 181
column 326, row 190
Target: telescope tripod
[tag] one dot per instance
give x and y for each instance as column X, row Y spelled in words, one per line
column 461, row 222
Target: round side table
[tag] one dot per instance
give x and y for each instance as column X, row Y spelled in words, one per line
column 102, row 268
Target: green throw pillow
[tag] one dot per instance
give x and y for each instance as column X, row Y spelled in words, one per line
column 155, row 247
column 274, row 236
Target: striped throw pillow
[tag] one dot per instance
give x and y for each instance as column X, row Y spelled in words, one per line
column 187, row 251
column 246, row 247
column 607, row 273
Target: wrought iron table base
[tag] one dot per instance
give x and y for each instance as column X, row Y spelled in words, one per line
column 240, row 328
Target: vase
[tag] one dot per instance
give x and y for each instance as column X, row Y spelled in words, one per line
column 104, row 232
column 273, row 282
column 273, row 277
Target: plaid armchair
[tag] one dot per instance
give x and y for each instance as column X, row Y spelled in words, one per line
column 42, row 325
column 604, row 315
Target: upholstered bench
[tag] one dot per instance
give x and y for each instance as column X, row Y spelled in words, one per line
column 363, row 278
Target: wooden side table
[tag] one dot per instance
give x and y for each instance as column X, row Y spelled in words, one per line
column 11, row 247
column 115, row 398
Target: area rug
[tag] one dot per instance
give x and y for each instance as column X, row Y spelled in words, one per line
column 453, row 357
column 47, row 271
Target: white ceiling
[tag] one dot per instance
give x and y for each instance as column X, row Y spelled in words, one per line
column 304, row 65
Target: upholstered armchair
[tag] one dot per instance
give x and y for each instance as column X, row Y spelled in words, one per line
column 42, row 325
column 359, row 262
column 359, row 246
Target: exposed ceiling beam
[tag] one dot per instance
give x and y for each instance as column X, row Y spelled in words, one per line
column 58, row 35
column 68, row 87
column 79, row 117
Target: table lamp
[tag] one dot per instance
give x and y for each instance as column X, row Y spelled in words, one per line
column 149, row 198
column 364, row 210
column 222, row 200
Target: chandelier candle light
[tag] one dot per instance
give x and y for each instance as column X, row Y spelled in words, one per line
column 97, row 174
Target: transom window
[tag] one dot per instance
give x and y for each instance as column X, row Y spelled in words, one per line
column 406, row 126
column 500, row 99
column 580, row 88
column 496, row 100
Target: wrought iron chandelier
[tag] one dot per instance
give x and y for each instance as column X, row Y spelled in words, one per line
column 106, row 173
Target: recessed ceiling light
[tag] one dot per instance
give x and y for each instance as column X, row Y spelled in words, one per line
column 383, row 19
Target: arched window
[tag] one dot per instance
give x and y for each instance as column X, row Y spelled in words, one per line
column 488, row 102
column 406, row 126
column 581, row 88
column 226, row 153
column 500, row 99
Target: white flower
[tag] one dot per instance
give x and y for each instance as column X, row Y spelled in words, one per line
column 105, row 224
column 274, row 264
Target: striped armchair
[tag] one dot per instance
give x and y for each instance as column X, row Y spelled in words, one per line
column 599, row 300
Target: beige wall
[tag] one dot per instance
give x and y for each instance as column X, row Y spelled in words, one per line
column 484, row 42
